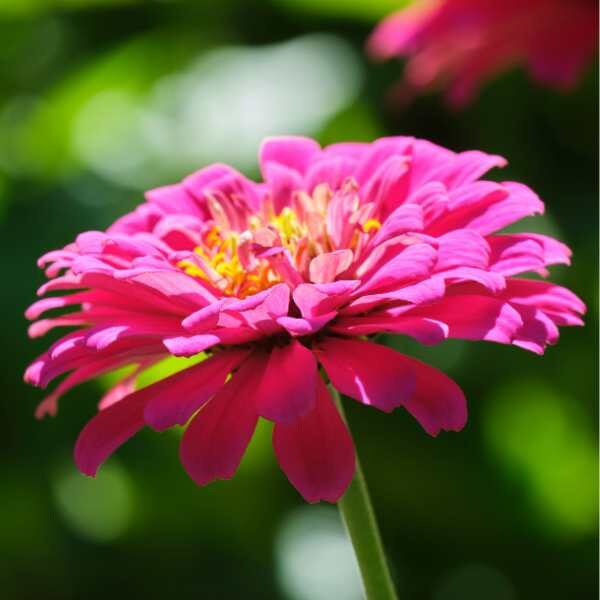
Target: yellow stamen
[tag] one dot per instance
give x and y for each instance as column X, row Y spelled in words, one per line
column 371, row 224
column 227, row 260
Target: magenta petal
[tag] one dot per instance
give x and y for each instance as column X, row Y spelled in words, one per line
column 108, row 430
column 299, row 326
column 283, row 182
column 333, row 171
column 173, row 198
column 172, row 401
column 407, row 217
column 474, row 317
column 370, row 373
column 190, row 345
column 292, row 152
column 314, row 300
column 513, row 254
column 216, row 439
column 324, row 268
column 287, row 390
column 316, row 451
column 413, row 263
column 425, row 331
column 438, row 403
column 387, row 188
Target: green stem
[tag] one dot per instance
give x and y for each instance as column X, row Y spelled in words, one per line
column 359, row 518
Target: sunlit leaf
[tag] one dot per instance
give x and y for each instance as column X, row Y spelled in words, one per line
column 372, row 10
column 543, row 439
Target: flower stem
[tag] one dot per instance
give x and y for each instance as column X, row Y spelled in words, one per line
column 359, row 518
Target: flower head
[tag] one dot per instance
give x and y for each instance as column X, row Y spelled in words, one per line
column 273, row 279
column 460, row 43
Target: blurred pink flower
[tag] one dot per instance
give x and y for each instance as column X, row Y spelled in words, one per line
column 273, row 279
column 460, row 43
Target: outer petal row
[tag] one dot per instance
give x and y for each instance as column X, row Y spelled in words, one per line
column 310, row 440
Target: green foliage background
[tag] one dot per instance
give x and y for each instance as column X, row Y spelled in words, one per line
column 505, row 509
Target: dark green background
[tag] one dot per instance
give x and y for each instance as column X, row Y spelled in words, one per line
column 506, row 509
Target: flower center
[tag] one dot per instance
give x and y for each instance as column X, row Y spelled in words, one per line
column 276, row 247
column 218, row 262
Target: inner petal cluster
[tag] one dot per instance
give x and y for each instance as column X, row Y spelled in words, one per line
column 319, row 237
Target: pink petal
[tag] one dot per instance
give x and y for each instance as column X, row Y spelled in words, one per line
column 172, row 401
column 45, row 304
column 491, row 212
column 287, row 389
column 467, row 167
column 93, row 368
column 388, row 186
column 177, row 287
column 205, row 318
column 425, row 331
column 562, row 305
column 299, row 326
column 370, row 373
column 422, row 292
column 473, row 317
column 283, row 182
column 415, row 262
column 462, row 248
column 43, row 326
column 108, row 430
column 190, row 345
column 405, row 218
column 261, row 310
column 494, row 282
column 512, row 255
column 216, row 439
column 173, row 199
column 437, row 403
column 314, row 300
column 332, row 170
column 292, row 152
column 377, row 153
column 324, row 268
column 538, row 330
column 196, row 183
column 316, row 451
column 522, row 252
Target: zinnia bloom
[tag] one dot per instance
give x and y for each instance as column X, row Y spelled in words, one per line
column 461, row 43
column 276, row 279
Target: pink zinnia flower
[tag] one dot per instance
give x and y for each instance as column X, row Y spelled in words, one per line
column 461, row 43
column 273, row 279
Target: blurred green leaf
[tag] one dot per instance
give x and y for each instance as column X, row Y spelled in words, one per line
column 369, row 11
column 543, row 437
column 28, row 8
